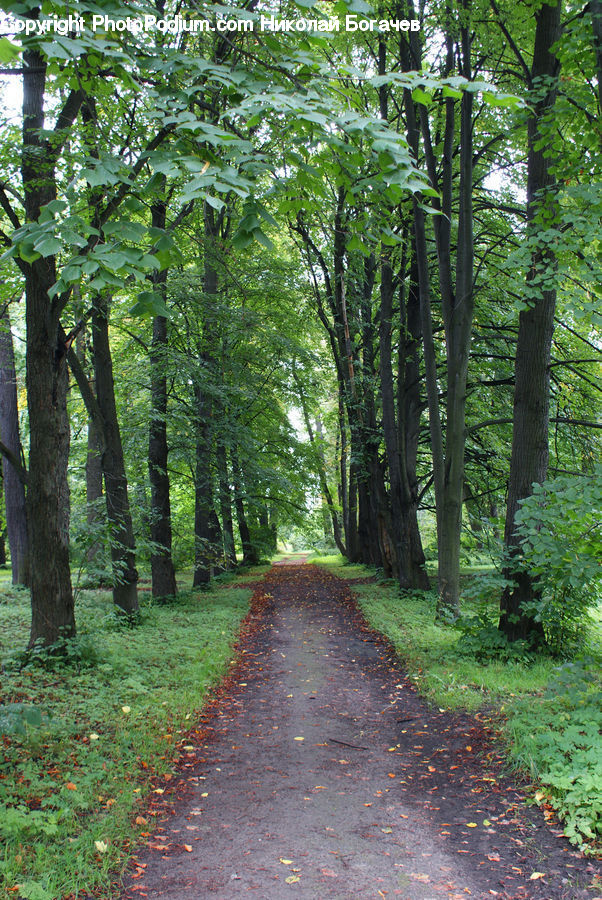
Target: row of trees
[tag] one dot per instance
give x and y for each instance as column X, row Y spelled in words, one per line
column 371, row 229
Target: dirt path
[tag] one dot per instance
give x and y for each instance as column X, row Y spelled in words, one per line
column 321, row 774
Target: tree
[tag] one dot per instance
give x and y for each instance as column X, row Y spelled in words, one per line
column 529, row 461
column 13, row 474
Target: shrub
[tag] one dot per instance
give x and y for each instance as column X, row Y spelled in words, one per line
column 560, row 526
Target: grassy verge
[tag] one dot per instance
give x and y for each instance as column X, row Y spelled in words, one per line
column 84, row 745
column 551, row 715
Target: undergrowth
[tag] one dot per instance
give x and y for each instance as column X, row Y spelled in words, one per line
column 552, row 711
column 85, row 741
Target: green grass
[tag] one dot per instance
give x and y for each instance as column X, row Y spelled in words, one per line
column 550, row 713
column 72, row 787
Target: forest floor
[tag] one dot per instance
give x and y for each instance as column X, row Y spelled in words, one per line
column 318, row 771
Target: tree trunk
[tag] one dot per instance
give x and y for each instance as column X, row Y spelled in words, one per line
column 93, row 486
column 458, row 332
column 162, row 569
column 249, row 552
column 14, row 490
column 529, row 458
column 595, row 7
column 47, row 381
column 125, row 575
column 203, row 494
column 225, row 503
column 401, row 437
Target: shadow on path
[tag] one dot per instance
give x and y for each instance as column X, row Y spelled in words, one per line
column 320, row 773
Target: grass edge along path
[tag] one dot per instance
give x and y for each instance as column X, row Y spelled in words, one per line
column 76, row 790
column 548, row 715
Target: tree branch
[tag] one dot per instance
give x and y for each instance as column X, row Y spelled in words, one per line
column 15, row 462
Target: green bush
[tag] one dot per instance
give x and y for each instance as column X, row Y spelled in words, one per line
column 560, row 526
column 558, row 739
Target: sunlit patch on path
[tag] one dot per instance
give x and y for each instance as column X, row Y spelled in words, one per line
column 321, row 774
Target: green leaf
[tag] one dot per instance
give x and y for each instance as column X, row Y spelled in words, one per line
column 8, row 50
column 420, row 96
column 48, row 246
column 150, row 303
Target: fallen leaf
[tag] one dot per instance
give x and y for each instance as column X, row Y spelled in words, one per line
column 188, row 848
column 158, row 791
column 292, row 879
column 537, row 875
column 471, row 825
column 126, row 709
column 286, row 862
column 299, row 739
column 101, row 846
column 140, row 820
column 70, row 786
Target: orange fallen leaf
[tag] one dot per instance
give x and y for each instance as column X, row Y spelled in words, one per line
column 70, row 786
column 188, row 848
column 140, row 820
column 537, row 875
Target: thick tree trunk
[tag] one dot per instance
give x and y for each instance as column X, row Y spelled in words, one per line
column 14, row 490
column 125, row 575
column 162, row 569
column 401, row 438
column 47, row 381
column 458, row 322
column 529, row 459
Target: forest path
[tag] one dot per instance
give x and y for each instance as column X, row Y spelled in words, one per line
column 319, row 772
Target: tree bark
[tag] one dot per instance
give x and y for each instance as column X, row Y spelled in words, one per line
column 162, row 568
column 458, row 322
column 250, row 556
column 93, row 486
column 47, row 381
column 529, row 458
column 203, row 494
column 225, row 503
column 125, row 575
column 401, row 431
column 14, row 490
